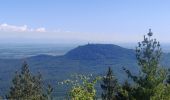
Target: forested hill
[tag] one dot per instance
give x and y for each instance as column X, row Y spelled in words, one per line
column 100, row 51
column 90, row 58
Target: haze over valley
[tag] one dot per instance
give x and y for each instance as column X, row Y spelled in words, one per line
column 84, row 50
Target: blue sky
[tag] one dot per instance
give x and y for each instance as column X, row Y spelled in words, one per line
column 103, row 21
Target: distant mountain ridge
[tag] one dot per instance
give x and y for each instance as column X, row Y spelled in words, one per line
column 90, row 58
column 99, row 51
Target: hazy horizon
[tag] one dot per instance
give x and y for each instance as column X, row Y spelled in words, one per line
column 22, row 50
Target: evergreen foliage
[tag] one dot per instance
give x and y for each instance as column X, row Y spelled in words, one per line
column 125, row 92
column 109, row 86
column 26, row 86
column 152, row 75
column 49, row 92
column 168, row 77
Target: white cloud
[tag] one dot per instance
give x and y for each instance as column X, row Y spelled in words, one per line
column 41, row 29
column 6, row 27
column 23, row 28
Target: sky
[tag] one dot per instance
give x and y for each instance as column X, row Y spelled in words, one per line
column 83, row 21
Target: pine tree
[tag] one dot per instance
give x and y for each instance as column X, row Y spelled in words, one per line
column 109, row 86
column 152, row 75
column 26, row 86
column 125, row 92
column 49, row 92
column 168, row 77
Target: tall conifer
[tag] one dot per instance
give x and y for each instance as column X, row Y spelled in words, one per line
column 26, row 86
column 152, row 75
column 109, row 86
